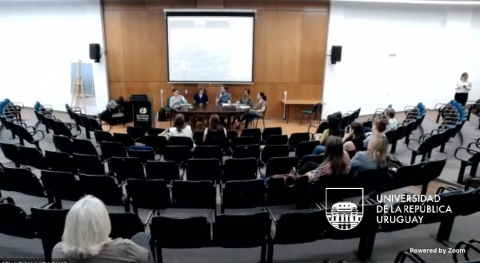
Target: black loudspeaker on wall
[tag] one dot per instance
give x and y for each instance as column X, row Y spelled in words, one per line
column 336, row 54
column 95, row 52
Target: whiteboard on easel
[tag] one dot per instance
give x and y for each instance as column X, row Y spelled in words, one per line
column 87, row 77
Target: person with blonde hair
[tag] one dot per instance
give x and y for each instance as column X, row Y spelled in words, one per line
column 375, row 157
column 86, row 237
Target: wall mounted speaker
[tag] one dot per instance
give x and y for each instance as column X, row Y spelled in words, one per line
column 336, row 54
column 95, row 52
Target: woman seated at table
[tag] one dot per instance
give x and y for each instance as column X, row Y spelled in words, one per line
column 176, row 99
column 200, row 97
column 180, row 129
column 336, row 161
column 214, row 130
column 375, row 157
column 246, row 99
column 257, row 111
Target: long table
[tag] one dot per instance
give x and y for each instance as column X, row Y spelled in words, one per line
column 205, row 110
column 289, row 102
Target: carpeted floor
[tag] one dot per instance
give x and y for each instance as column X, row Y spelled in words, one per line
column 386, row 245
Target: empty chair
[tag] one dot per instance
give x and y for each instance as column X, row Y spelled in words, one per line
column 62, row 186
column 104, row 188
column 65, row 129
column 125, row 225
column 222, row 142
column 255, row 133
column 21, row 180
column 399, row 134
column 296, row 138
column 60, row 161
column 242, row 140
column 63, row 144
column 156, row 142
column 198, row 137
column 82, row 146
column 246, row 151
column 177, row 153
column 277, row 140
column 281, row 192
column 144, row 153
column 305, row 148
column 318, row 158
column 137, row 133
column 14, row 220
column 110, row 149
column 472, row 161
column 155, row 131
column 203, row 169
column 96, row 125
column 194, row 195
column 12, row 153
column 26, row 135
column 126, row 167
column 240, row 169
column 33, row 157
column 52, row 124
column 180, row 141
column 427, row 143
column 208, row 152
column 267, row 132
column 232, row 134
column 124, row 138
column 281, row 165
column 88, row 164
column 166, row 170
column 103, row 136
column 270, row 151
column 150, row 194
column 243, row 194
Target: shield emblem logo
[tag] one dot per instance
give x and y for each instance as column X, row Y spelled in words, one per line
column 344, row 215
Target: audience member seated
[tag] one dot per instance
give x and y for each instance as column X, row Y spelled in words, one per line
column 180, row 129
column 375, row 157
column 390, row 115
column 176, row 99
column 223, row 96
column 113, row 106
column 379, row 126
column 353, row 140
column 257, row 111
column 200, row 97
column 336, row 161
column 333, row 121
column 214, row 130
column 86, row 237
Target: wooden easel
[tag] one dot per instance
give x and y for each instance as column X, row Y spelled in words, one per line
column 78, row 90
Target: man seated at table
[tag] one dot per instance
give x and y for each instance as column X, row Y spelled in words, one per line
column 223, row 96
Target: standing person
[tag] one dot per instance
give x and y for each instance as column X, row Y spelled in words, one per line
column 375, row 157
column 215, row 129
column 246, row 99
column 86, row 237
column 223, row 96
column 180, row 129
column 200, row 97
column 463, row 87
column 176, row 99
column 257, row 111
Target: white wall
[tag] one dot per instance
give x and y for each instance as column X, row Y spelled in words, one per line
column 400, row 54
column 38, row 42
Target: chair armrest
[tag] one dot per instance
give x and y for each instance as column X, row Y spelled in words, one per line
column 408, row 143
column 474, row 143
column 35, row 132
column 320, row 206
column 48, row 206
column 271, row 215
column 19, row 104
column 469, row 151
column 470, row 182
column 408, row 108
column 442, row 189
column 149, row 217
column 8, row 200
column 439, row 105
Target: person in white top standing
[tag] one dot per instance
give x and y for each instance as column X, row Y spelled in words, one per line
column 463, row 87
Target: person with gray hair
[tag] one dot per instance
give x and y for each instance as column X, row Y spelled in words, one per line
column 390, row 115
column 86, row 237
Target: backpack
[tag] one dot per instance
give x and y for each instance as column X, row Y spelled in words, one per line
column 162, row 115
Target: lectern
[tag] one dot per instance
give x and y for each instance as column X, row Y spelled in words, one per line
column 142, row 111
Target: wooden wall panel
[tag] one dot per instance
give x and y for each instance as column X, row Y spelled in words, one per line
column 209, row 4
column 124, row 4
column 313, row 45
column 114, row 43
column 288, row 5
column 117, row 89
column 161, row 4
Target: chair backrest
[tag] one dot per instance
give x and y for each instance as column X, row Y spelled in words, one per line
column 277, row 140
column 198, row 137
column 83, row 146
column 255, row 133
column 136, row 132
column 126, row 167
column 318, row 158
column 33, row 157
column 222, row 142
column 400, row 132
column 166, row 170
column 124, row 138
column 62, row 185
column 21, row 180
column 246, row 151
column 49, row 225
column 203, row 169
column 430, row 143
column 267, row 132
column 372, row 180
column 110, row 149
column 431, row 170
column 306, row 148
column 103, row 136
column 253, row 233
column 125, row 225
column 88, row 164
column 296, row 138
column 191, row 232
column 208, row 152
column 303, row 226
column 12, row 152
column 63, row 144
column 180, row 141
column 144, row 155
column 94, row 124
column 24, row 134
column 194, row 194
column 60, row 161
column 155, row 131
column 102, row 187
column 156, row 142
column 281, row 165
column 52, row 124
column 278, row 193
column 177, row 153
column 243, row 194
column 148, row 194
column 15, row 221
column 240, row 169
column 63, row 129
column 242, row 140
column 232, row 134
column 270, row 151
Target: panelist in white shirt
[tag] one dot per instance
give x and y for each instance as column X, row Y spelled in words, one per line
column 463, row 87
column 176, row 100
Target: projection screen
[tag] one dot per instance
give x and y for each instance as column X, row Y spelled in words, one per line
column 209, row 47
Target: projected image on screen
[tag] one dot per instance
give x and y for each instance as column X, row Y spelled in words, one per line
column 210, row 48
